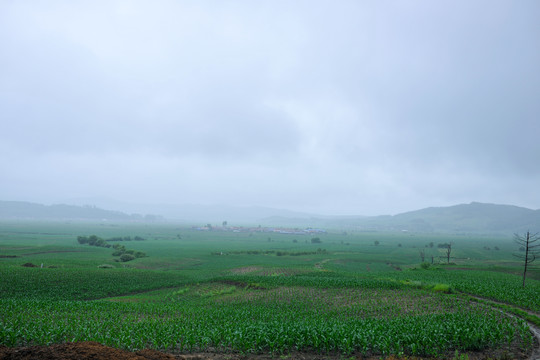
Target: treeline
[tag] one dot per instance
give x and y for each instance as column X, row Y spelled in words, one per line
column 121, row 252
column 93, row 240
column 272, row 252
column 300, row 253
column 126, row 238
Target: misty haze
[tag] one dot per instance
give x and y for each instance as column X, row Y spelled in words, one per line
column 263, row 179
column 334, row 109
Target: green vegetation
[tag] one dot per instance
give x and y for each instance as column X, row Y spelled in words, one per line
column 124, row 254
column 226, row 291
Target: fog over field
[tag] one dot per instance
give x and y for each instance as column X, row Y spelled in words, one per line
column 349, row 107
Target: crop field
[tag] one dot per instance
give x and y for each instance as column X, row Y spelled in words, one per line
column 336, row 294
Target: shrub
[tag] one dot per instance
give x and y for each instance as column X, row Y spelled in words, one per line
column 127, row 257
column 82, row 239
column 445, row 288
column 92, row 239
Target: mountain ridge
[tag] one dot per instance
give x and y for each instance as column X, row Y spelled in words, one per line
column 472, row 218
column 36, row 211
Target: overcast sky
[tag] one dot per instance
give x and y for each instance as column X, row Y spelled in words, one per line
column 331, row 107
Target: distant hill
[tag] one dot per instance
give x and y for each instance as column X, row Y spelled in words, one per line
column 473, row 218
column 33, row 211
column 190, row 214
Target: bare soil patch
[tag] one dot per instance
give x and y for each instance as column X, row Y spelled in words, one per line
column 245, row 270
column 96, row 351
column 29, row 265
column 78, row 351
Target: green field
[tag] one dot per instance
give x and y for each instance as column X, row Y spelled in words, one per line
column 364, row 294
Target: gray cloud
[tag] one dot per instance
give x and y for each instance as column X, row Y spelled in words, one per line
column 336, row 108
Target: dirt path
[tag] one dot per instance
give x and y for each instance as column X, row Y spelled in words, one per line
column 530, row 312
column 535, row 330
column 319, row 265
column 536, row 352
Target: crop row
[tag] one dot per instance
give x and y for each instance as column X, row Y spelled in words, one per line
column 271, row 323
column 80, row 284
column 321, row 280
column 492, row 285
column 351, row 303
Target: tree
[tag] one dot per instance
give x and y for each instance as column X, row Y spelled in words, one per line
column 531, row 250
column 127, row 257
column 422, row 255
column 82, row 239
column 448, row 247
column 92, row 239
column 376, row 242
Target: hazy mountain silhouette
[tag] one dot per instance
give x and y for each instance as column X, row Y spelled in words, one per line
column 28, row 210
column 473, row 218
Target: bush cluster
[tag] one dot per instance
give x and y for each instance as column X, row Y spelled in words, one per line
column 125, row 254
column 120, row 250
column 93, row 240
column 126, row 238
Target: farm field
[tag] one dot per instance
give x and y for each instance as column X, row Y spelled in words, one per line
column 335, row 294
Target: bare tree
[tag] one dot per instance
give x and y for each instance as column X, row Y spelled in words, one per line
column 532, row 250
column 422, row 255
column 448, row 252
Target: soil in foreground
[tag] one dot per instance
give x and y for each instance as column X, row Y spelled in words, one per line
column 96, row 351
column 82, row 351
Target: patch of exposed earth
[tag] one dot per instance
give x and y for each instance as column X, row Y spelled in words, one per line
column 81, row 351
column 96, row 351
